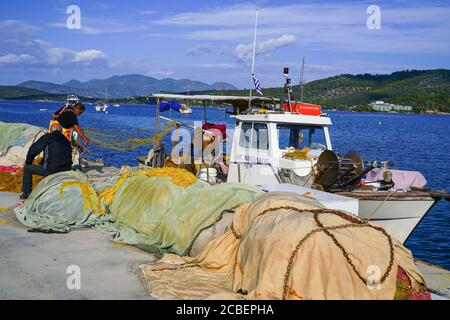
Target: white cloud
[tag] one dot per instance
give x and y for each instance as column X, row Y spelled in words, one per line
column 198, row 49
column 14, row 58
column 244, row 51
column 17, row 29
column 406, row 28
column 220, row 65
column 61, row 56
column 101, row 25
column 89, row 55
column 20, row 50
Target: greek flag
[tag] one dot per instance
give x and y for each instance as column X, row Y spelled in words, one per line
column 257, row 84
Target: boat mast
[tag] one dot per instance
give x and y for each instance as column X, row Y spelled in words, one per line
column 253, row 61
column 189, row 83
column 302, row 80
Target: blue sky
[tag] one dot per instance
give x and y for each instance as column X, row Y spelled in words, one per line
column 212, row 40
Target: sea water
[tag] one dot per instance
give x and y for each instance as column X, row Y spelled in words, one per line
column 410, row 142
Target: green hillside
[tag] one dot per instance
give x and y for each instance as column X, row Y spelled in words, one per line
column 14, row 92
column 422, row 89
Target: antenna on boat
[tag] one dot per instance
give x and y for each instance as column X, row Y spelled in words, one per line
column 189, row 88
column 302, row 80
column 287, row 87
column 253, row 61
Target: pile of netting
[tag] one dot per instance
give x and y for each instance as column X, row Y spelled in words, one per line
column 297, row 154
column 164, row 210
column 11, row 178
column 160, row 210
column 16, row 139
column 61, row 202
column 124, row 140
column 282, row 246
column 13, row 182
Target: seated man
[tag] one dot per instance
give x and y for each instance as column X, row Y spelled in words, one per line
column 57, row 158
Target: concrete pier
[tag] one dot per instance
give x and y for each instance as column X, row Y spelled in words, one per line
column 34, row 265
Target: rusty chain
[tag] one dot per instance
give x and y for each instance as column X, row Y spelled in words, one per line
column 354, row 222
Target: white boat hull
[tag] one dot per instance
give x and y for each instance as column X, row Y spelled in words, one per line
column 101, row 108
column 397, row 217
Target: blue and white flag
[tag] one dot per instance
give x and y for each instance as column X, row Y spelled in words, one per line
column 257, row 84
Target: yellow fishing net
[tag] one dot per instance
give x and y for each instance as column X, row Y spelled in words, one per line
column 90, row 199
column 297, row 154
column 10, row 182
column 180, row 177
column 107, row 195
column 13, row 182
column 119, row 143
column 4, row 209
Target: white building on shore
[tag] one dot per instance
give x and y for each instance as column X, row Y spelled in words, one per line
column 387, row 107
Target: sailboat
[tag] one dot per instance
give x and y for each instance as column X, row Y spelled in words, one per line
column 103, row 106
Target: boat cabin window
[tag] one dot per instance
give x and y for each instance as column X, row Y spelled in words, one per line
column 301, row 136
column 254, row 136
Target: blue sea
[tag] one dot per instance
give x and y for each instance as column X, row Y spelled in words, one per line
column 410, row 142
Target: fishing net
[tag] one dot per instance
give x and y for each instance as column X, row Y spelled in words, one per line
column 164, row 210
column 179, row 177
column 282, row 246
column 16, row 139
column 297, row 154
column 12, row 181
column 60, row 202
column 123, row 142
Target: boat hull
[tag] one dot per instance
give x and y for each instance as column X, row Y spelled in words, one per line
column 398, row 217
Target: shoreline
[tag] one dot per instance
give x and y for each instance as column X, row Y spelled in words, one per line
column 195, row 106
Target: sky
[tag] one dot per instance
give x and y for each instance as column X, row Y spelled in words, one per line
column 212, row 41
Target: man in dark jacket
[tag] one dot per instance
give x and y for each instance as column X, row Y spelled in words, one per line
column 57, row 158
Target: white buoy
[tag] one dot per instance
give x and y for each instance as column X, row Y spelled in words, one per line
column 106, row 112
column 379, row 123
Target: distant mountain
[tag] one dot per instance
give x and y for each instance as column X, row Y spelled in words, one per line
column 10, row 92
column 125, row 86
column 48, row 87
column 222, row 86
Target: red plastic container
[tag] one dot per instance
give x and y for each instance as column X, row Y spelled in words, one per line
column 308, row 109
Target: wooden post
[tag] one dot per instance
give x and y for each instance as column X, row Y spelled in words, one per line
column 204, row 112
column 158, row 103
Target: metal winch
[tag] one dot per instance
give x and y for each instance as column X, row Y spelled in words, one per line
column 337, row 173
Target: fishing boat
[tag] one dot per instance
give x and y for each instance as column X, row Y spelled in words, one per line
column 290, row 145
column 71, row 100
column 184, row 109
column 103, row 106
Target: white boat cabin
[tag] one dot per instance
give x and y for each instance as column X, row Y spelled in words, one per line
column 262, row 141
